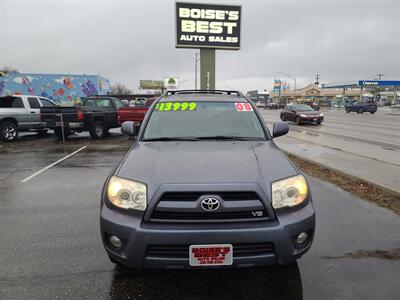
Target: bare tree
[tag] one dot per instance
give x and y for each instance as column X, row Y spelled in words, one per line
column 8, row 70
column 120, row 89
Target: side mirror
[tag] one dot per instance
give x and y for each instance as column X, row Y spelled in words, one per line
column 128, row 128
column 280, row 128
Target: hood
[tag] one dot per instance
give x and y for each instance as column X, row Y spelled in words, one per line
column 205, row 162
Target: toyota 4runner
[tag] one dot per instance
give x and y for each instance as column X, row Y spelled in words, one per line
column 204, row 185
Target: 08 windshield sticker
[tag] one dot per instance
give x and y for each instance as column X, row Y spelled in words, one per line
column 176, row 106
column 240, row 106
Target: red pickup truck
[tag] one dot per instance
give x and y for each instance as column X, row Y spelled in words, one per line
column 135, row 114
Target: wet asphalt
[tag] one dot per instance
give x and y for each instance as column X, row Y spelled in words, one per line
column 50, row 245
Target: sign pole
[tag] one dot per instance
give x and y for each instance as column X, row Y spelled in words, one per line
column 207, row 69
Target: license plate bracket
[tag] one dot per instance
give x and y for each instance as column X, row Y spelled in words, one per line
column 211, row 255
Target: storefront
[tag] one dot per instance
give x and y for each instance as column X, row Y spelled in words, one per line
column 314, row 93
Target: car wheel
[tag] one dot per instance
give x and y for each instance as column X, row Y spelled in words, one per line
column 59, row 134
column 347, row 110
column 319, row 122
column 372, row 112
column 360, row 111
column 283, row 118
column 298, row 121
column 97, row 130
column 8, row 132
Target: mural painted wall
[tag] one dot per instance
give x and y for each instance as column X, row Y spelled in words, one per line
column 61, row 88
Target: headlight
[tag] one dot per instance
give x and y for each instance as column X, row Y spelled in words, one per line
column 127, row 194
column 321, row 114
column 302, row 115
column 289, row 192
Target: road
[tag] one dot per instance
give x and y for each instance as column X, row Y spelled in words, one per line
column 363, row 145
column 51, row 247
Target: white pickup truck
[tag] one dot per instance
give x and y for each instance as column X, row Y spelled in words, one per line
column 21, row 113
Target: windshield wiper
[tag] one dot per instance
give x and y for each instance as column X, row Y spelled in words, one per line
column 224, row 137
column 170, row 139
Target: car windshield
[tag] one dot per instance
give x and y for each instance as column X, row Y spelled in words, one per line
column 302, row 107
column 203, row 120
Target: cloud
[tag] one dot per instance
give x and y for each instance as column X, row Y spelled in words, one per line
column 126, row 41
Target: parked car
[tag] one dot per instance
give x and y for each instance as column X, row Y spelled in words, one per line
column 301, row 113
column 362, row 106
column 96, row 115
column 272, row 105
column 204, row 185
column 21, row 113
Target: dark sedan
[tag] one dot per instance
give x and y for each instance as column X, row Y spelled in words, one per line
column 362, row 106
column 301, row 113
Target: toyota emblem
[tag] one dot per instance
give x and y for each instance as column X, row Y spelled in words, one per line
column 209, row 204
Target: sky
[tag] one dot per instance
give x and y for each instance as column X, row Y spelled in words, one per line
column 129, row 40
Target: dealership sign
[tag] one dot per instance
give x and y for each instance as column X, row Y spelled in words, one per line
column 207, row 26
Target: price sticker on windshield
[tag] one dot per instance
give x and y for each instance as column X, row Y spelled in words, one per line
column 240, row 106
column 176, row 106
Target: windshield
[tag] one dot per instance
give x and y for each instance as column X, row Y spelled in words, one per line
column 302, row 107
column 203, row 120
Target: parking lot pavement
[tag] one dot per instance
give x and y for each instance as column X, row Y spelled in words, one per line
column 51, row 247
column 365, row 146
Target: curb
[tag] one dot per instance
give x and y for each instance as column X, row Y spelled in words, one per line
column 382, row 187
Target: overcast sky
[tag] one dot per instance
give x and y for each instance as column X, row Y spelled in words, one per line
column 129, row 40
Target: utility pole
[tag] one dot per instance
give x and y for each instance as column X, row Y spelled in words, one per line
column 317, row 77
column 380, row 76
column 197, row 58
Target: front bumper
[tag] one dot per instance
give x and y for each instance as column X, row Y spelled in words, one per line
column 138, row 236
column 311, row 119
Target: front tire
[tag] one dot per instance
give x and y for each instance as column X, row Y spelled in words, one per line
column 371, row 112
column 360, row 111
column 298, row 121
column 97, row 130
column 283, row 118
column 347, row 110
column 8, row 132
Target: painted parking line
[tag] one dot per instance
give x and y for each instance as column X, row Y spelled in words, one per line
column 52, row 165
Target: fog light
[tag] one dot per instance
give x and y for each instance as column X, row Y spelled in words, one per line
column 115, row 241
column 301, row 238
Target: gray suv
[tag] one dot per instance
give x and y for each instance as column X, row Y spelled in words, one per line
column 204, row 185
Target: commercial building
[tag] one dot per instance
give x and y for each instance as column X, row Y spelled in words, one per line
column 315, row 93
column 386, row 92
column 64, row 89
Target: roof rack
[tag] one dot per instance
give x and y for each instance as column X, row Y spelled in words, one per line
column 180, row 92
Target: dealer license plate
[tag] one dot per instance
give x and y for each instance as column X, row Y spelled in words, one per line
column 315, row 119
column 211, row 255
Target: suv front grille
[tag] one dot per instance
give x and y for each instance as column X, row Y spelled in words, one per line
column 185, row 207
column 182, row 251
